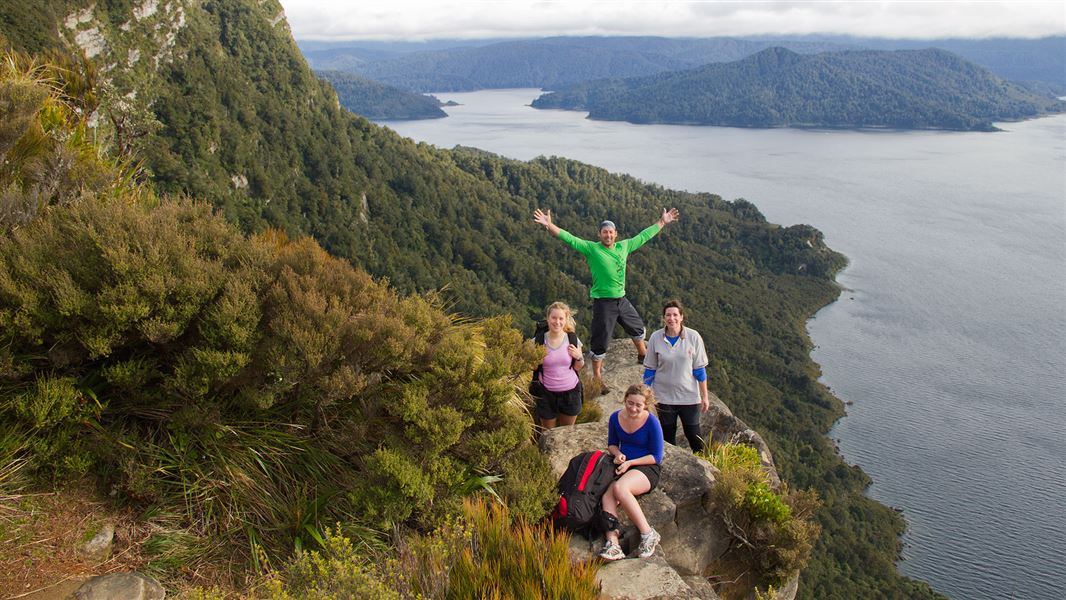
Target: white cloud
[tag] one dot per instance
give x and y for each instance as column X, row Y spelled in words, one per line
column 456, row 19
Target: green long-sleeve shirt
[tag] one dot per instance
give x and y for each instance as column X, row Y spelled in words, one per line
column 608, row 265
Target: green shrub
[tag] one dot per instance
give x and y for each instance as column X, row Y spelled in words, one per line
column 772, row 532
column 255, row 386
column 484, row 554
column 337, row 570
column 47, row 154
column 528, row 486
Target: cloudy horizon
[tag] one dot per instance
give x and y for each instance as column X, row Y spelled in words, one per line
column 422, row 20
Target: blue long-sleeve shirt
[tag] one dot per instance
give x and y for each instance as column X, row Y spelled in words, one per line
column 642, row 442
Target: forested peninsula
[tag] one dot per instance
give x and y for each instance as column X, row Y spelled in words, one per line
column 904, row 89
column 378, row 101
column 177, row 315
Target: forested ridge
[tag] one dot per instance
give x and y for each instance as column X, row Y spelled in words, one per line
column 241, row 122
column 912, row 89
column 378, row 101
column 554, row 62
column 545, row 63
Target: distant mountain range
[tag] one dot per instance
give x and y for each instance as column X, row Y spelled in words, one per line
column 904, row 89
column 375, row 100
column 550, row 63
column 544, row 63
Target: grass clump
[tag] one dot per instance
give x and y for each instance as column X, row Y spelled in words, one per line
column 485, row 553
column 590, row 406
column 772, row 531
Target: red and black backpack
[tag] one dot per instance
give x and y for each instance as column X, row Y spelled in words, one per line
column 582, row 485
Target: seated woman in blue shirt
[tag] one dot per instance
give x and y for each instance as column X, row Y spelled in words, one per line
column 635, row 439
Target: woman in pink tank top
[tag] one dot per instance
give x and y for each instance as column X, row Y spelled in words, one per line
column 559, row 396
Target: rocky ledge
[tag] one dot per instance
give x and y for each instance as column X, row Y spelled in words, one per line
column 681, row 508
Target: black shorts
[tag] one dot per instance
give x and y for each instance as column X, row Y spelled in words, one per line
column 550, row 404
column 650, row 471
column 605, row 313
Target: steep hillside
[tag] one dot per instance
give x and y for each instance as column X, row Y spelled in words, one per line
column 224, row 109
column 921, row 89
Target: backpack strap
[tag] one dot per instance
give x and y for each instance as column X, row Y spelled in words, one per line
column 572, row 337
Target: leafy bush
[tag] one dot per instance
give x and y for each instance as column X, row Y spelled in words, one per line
column 772, row 532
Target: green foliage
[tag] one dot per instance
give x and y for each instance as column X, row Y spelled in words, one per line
column 256, row 387
column 509, row 560
column 733, row 457
column 377, row 101
column 591, row 411
column 337, row 570
column 914, row 89
column 485, row 554
column 47, row 156
column 529, row 484
column 248, row 383
column 772, row 532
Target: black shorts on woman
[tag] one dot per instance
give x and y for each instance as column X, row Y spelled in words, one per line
column 551, row 404
column 652, row 472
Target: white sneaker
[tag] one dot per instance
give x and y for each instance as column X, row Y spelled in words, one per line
column 612, row 551
column 648, row 542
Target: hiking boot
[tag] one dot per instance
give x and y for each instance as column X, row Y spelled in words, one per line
column 648, row 542
column 604, row 388
column 612, row 551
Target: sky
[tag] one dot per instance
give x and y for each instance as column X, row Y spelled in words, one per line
column 417, row 20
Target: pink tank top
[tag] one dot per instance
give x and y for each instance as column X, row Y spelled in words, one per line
column 557, row 375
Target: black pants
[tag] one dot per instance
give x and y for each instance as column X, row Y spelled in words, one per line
column 690, row 421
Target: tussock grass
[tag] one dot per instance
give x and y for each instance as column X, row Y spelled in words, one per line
column 485, row 553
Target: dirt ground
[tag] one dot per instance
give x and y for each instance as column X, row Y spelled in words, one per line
column 39, row 538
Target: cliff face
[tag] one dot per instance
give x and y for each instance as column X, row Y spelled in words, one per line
column 682, row 509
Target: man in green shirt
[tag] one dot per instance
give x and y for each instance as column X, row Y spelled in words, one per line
column 607, row 262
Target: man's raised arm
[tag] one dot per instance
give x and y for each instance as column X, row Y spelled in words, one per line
column 545, row 219
column 669, row 216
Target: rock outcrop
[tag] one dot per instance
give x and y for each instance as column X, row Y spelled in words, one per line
column 681, row 508
column 127, row 586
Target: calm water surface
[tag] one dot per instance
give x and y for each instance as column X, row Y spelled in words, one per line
column 950, row 336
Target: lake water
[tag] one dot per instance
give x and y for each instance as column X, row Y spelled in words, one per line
column 950, row 336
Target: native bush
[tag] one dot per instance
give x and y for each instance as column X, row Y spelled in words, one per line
column 247, row 381
column 485, row 553
column 772, row 531
column 255, row 386
column 338, row 570
column 47, row 154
